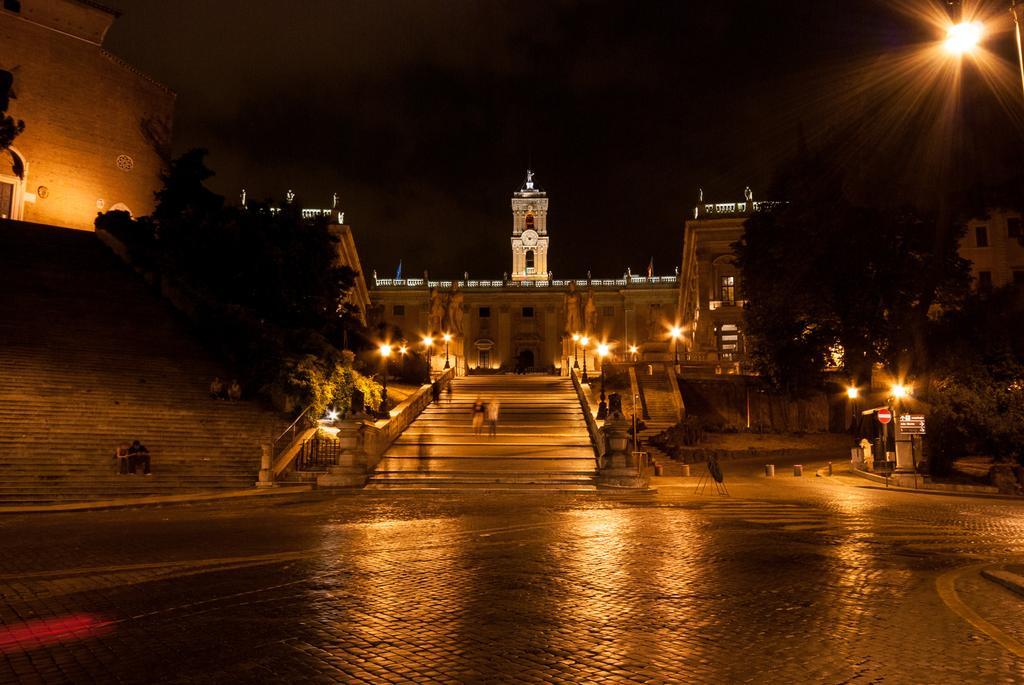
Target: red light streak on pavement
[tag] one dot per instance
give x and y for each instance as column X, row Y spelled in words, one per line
column 21, row 637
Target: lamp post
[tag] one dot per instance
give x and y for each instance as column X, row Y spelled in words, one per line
column 584, row 341
column 602, row 407
column 385, row 352
column 633, row 349
column 853, row 393
column 428, row 342
column 1018, row 16
column 576, row 350
column 677, row 335
column 447, row 339
column 403, row 349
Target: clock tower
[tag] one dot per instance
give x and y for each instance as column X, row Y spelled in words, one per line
column 529, row 232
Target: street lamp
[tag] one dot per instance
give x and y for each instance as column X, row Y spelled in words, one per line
column 853, row 393
column 677, row 335
column 403, row 349
column 385, row 352
column 447, row 339
column 633, row 349
column 576, row 351
column 1018, row 14
column 584, row 341
column 428, row 342
column 602, row 407
column 964, row 37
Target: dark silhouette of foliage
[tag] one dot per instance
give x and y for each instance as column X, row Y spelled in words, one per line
column 822, row 273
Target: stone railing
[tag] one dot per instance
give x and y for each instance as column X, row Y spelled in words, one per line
column 733, row 208
column 473, row 284
column 380, row 434
column 596, row 437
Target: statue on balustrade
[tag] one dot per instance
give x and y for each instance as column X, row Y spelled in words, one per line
column 590, row 312
column 435, row 317
column 455, row 312
column 655, row 328
column 572, row 310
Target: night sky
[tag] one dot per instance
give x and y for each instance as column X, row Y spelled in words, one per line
column 424, row 115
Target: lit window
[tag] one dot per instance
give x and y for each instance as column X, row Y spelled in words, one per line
column 981, row 236
column 728, row 290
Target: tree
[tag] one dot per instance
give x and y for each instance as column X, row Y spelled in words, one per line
column 10, row 128
column 827, row 278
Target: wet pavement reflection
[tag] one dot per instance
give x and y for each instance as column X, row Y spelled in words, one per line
column 797, row 580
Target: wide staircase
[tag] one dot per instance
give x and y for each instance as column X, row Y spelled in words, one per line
column 91, row 358
column 541, row 443
column 661, row 408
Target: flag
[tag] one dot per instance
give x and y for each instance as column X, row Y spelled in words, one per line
column 398, row 271
column 650, row 268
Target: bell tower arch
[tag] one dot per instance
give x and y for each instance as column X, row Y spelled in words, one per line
column 529, row 232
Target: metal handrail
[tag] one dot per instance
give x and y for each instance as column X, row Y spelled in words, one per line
column 289, row 429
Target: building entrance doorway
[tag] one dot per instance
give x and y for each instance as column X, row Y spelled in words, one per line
column 6, row 200
column 526, row 361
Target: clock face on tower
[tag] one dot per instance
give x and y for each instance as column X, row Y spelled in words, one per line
column 529, row 238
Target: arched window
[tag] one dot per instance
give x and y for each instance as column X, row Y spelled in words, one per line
column 529, row 222
column 529, row 260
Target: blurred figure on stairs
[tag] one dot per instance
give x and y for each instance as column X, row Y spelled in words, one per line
column 478, row 416
column 234, row 390
column 493, row 407
column 122, row 457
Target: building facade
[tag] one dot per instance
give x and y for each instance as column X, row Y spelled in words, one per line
column 97, row 130
column 995, row 248
column 527, row 319
column 710, row 308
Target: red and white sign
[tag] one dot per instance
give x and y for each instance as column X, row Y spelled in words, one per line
column 884, row 416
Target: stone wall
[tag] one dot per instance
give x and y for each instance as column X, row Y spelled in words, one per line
column 725, row 400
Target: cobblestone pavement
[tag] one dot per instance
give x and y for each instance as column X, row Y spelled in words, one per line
column 784, row 581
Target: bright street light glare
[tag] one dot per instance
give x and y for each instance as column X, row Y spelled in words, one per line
column 964, row 37
column 385, row 350
column 852, row 393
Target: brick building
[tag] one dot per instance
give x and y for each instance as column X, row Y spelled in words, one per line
column 97, row 130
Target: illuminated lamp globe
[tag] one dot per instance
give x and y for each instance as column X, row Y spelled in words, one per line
column 852, row 393
column 900, row 391
column 385, row 350
column 964, row 37
column 602, row 350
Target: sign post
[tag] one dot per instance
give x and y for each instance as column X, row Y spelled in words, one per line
column 908, row 426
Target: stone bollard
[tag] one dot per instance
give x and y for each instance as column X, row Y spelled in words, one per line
column 769, row 470
column 830, row 469
column 686, row 470
column 266, row 475
column 798, row 470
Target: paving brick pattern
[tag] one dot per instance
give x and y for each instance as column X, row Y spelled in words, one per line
column 786, row 581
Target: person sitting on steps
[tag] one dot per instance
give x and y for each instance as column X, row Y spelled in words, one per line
column 138, row 454
column 217, row 388
column 122, row 458
column 234, row 390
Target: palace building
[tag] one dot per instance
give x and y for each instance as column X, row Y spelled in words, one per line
column 97, row 130
column 527, row 319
